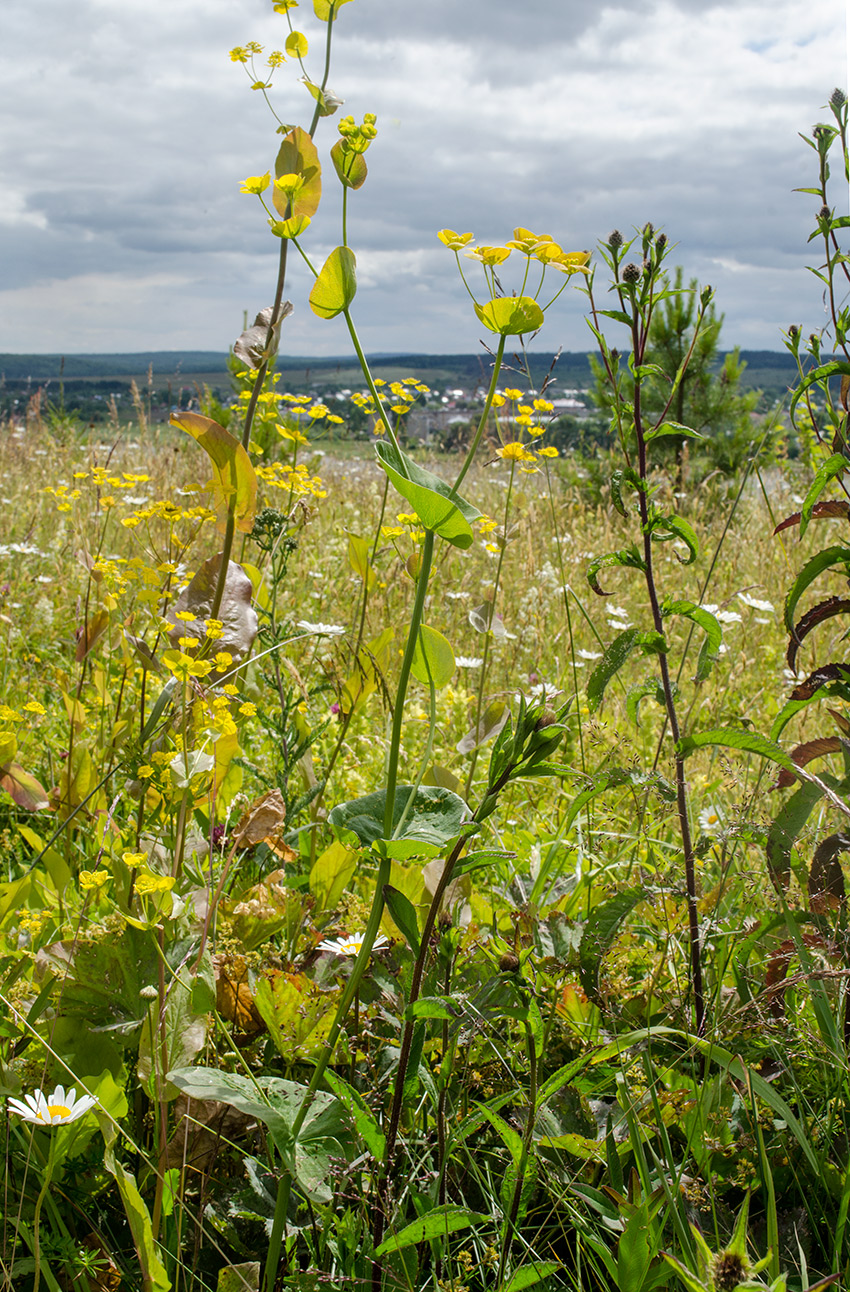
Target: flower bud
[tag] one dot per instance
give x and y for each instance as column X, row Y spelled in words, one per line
column 631, row 272
column 615, row 239
column 509, row 962
column 837, row 99
column 661, row 241
column 824, row 213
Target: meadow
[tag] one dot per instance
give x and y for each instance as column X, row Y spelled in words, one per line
column 424, row 870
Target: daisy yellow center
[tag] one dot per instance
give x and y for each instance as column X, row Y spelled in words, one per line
column 58, row 1110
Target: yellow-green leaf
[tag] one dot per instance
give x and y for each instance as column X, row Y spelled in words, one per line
column 298, row 156
column 296, row 45
column 335, row 288
column 325, row 9
column 331, row 873
column 8, row 746
column 349, row 165
column 234, row 483
column 433, row 658
column 511, row 315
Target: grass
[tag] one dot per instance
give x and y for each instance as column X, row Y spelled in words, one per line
column 559, row 1111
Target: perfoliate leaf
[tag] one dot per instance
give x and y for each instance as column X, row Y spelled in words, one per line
column 431, row 498
column 296, row 45
column 433, row 658
column 234, row 484
column 349, row 165
column 325, row 9
column 336, row 286
column 298, row 156
column 511, row 315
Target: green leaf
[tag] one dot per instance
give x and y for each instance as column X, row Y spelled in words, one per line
column 234, row 484
column 436, row 816
column 298, row 156
column 600, row 930
column 404, row 914
column 675, row 527
column 819, row 562
column 511, row 315
column 349, row 165
column 442, row 1007
column 151, row 1267
column 358, row 559
column 239, row 1278
column 829, row 470
column 784, row 829
column 672, row 428
column 835, row 368
column 436, row 1223
column 331, row 873
column 364, row 1120
column 433, row 658
column 615, row 656
column 710, row 648
column 629, row 557
column 748, row 742
column 175, row 1040
column 527, row 1275
column 633, row 1252
column 431, row 498
column 336, row 286
column 298, row 1013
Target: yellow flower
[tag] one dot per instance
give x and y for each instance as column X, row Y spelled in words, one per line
column 513, row 394
column 548, row 452
column 134, row 859
column 454, row 241
column 526, row 241
column 144, row 771
column 544, row 406
column 515, row 452
column 93, row 879
column 248, row 710
column 489, row 255
column 34, row 707
column 255, row 183
column 148, row 883
column 185, row 615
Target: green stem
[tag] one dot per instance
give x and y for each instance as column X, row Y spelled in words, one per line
column 404, row 677
column 473, row 448
column 36, row 1220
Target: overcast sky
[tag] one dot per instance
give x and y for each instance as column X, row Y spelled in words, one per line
column 125, row 131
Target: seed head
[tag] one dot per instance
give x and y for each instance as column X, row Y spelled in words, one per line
column 729, row 1270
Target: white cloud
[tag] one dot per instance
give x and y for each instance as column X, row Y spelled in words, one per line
column 125, row 130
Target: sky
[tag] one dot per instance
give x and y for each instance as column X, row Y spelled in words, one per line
column 126, row 131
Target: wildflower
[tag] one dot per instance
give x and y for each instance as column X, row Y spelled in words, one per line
column 515, row 452
column 350, row 945
column 52, row 1110
column 248, row 710
column 710, row 821
column 90, row 879
column 766, row 607
column 489, row 255
column 33, row 706
column 320, row 630
column 465, row 661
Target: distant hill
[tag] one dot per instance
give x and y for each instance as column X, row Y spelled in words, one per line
column 90, row 380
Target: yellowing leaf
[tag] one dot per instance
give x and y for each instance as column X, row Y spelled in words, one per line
column 298, row 156
column 433, row 658
column 335, row 288
column 8, row 746
column 331, row 873
column 350, row 166
column 234, row 483
column 325, row 9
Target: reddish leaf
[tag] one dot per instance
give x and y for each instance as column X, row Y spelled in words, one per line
column 826, row 673
column 826, row 878
column 820, row 511
column 24, row 789
column 777, row 969
column 817, row 615
column 804, row 754
column 90, row 635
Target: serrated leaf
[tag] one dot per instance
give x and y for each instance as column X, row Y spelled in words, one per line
column 628, row 557
column 431, row 498
column 710, row 648
column 783, row 831
column 833, row 467
column 436, row 1223
column 336, row 286
column 600, row 930
column 813, row 617
column 675, row 527
column 613, row 659
column 821, row 561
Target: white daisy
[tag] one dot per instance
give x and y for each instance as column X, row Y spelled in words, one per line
column 321, row 630
column 710, row 821
column 464, row 661
column 52, row 1110
column 350, row 944
column 766, row 607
